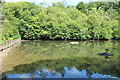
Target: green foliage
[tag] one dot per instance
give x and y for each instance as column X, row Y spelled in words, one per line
column 96, row 20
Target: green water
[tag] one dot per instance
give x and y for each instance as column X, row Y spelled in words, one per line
column 60, row 59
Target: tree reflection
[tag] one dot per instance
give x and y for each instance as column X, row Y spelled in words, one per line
column 51, row 59
column 108, row 68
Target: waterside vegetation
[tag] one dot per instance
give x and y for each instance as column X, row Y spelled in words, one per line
column 95, row 20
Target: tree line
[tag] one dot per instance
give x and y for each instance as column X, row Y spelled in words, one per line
column 95, row 20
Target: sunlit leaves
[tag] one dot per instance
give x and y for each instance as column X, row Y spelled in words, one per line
column 87, row 21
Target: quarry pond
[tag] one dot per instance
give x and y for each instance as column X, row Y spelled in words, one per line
column 61, row 59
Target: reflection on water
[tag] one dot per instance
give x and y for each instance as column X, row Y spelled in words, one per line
column 66, row 73
column 59, row 59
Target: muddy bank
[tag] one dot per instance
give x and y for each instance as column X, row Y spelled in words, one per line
column 4, row 49
column 8, row 44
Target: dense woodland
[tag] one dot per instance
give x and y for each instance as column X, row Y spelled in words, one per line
column 95, row 20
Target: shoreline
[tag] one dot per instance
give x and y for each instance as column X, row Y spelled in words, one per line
column 8, row 44
column 4, row 49
column 72, row 40
column 11, row 43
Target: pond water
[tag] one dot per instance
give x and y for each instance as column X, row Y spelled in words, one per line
column 60, row 59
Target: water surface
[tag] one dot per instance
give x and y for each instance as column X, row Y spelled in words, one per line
column 60, row 59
